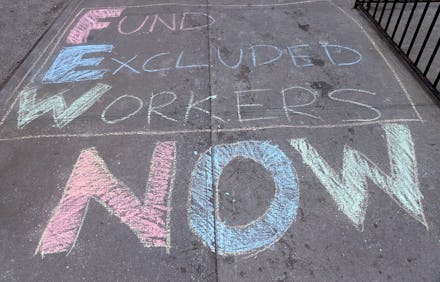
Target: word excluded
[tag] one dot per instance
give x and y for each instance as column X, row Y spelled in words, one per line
column 74, row 63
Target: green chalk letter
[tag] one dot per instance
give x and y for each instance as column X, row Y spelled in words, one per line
column 349, row 188
column 31, row 109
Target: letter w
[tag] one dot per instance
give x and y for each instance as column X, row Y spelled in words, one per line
column 349, row 189
column 91, row 179
column 62, row 115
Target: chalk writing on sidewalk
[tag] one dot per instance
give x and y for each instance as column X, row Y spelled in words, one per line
column 90, row 179
column 149, row 71
column 105, row 46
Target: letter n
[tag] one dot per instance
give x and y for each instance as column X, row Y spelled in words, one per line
column 91, row 179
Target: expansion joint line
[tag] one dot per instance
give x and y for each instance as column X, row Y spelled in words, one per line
column 212, row 137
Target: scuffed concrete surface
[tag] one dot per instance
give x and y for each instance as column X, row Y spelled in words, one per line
column 22, row 23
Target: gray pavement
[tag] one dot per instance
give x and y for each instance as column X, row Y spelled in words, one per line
column 263, row 141
column 22, row 24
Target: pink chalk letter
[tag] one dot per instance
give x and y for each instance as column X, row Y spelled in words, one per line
column 91, row 179
column 89, row 21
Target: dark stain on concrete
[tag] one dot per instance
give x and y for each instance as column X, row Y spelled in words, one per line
column 304, row 27
column 322, row 87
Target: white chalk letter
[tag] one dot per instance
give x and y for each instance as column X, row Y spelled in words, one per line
column 29, row 109
column 349, row 189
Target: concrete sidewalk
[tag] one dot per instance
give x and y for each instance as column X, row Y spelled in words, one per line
column 22, row 24
column 263, row 141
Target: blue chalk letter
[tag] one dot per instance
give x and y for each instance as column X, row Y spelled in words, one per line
column 63, row 69
column 339, row 48
column 203, row 200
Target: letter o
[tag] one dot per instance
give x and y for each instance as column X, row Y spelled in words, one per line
column 258, row 234
column 104, row 119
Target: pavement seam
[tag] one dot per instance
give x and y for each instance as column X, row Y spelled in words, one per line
column 211, row 135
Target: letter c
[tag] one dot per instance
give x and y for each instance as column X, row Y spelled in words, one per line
column 144, row 66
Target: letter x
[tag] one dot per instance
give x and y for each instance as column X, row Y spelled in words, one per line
column 125, row 65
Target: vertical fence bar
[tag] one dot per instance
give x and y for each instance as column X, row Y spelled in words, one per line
column 383, row 11
column 416, row 32
column 375, row 9
column 437, row 80
column 428, row 34
column 402, row 22
column 391, row 15
column 408, row 22
column 368, row 5
column 428, row 66
column 398, row 19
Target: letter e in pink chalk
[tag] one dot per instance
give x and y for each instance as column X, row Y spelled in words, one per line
column 89, row 21
column 91, row 179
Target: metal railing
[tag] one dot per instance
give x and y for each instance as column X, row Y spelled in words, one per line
column 412, row 27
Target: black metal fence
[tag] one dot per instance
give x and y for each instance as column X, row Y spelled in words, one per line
column 412, row 27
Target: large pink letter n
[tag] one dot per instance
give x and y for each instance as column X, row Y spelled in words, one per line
column 91, row 178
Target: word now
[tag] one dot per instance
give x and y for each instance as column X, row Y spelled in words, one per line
column 149, row 219
column 95, row 20
column 71, row 66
